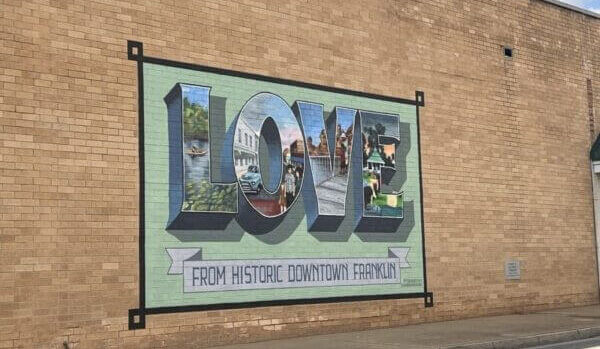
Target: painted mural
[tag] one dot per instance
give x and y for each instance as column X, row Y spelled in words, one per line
column 379, row 138
column 258, row 190
column 286, row 154
column 330, row 169
column 199, row 193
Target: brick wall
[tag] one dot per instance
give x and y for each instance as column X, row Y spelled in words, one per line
column 505, row 154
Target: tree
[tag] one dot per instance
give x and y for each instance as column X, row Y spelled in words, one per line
column 195, row 120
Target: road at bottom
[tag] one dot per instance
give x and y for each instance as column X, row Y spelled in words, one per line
column 589, row 343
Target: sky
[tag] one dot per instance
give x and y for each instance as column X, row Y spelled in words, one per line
column 267, row 104
column 389, row 121
column 196, row 94
column 312, row 120
column 591, row 5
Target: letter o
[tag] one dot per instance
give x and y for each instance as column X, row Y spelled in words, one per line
column 269, row 116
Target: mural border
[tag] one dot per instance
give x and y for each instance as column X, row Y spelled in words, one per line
column 137, row 316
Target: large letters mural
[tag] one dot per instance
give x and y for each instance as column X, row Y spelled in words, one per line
column 260, row 191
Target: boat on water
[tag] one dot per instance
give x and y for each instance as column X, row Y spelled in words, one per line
column 195, row 151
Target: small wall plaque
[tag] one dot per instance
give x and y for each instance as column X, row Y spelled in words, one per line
column 512, row 270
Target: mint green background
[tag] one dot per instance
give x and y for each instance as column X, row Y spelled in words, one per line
column 167, row 290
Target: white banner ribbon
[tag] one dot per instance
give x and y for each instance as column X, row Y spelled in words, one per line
column 239, row 274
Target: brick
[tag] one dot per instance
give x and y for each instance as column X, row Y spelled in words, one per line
column 504, row 152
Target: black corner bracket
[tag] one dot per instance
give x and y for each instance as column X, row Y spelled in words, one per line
column 135, row 50
column 137, row 319
column 428, row 299
column 420, row 98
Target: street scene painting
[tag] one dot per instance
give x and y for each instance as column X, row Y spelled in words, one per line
column 380, row 135
column 330, row 178
column 273, row 190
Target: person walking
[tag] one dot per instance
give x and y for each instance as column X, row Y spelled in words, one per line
column 282, row 200
column 290, row 187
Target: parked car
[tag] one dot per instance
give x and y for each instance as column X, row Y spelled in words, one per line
column 251, row 181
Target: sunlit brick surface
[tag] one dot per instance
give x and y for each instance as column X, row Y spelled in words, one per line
column 505, row 146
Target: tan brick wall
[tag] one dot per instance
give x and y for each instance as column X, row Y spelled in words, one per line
column 505, row 153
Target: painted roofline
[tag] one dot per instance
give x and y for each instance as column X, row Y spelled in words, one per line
column 573, row 8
